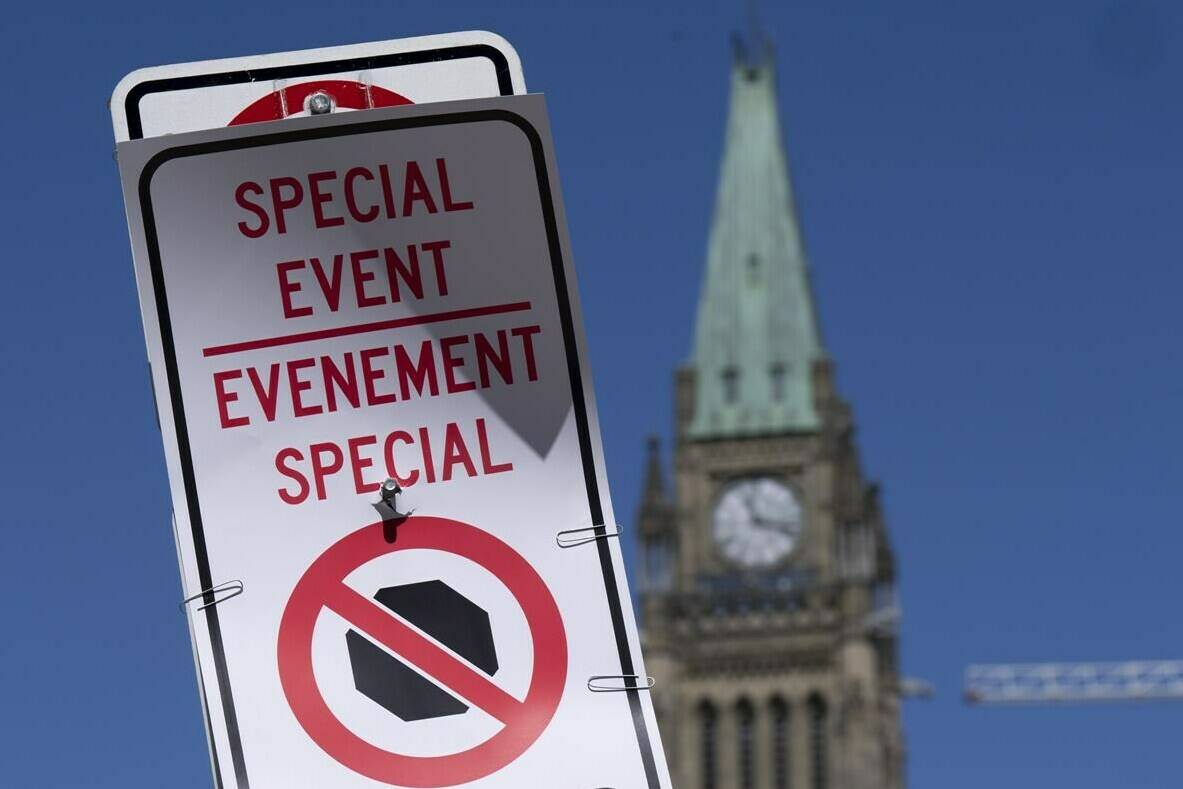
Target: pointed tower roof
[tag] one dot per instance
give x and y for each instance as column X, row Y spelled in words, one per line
column 756, row 336
column 654, row 495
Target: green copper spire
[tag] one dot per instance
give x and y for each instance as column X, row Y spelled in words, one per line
column 756, row 336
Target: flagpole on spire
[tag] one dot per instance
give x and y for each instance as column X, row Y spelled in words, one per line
column 752, row 48
column 755, row 36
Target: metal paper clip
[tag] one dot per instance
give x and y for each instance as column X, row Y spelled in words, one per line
column 565, row 538
column 219, row 594
column 598, row 683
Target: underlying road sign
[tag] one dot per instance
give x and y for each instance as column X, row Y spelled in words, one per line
column 213, row 93
column 332, row 301
column 342, row 94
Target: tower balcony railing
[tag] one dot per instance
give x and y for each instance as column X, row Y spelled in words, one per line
column 752, row 604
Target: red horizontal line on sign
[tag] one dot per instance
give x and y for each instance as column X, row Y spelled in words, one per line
column 364, row 328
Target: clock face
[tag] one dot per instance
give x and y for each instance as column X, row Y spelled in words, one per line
column 757, row 522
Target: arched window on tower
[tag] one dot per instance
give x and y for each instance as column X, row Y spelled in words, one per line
column 818, row 752
column 708, row 722
column 746, row 719
column 780, row 743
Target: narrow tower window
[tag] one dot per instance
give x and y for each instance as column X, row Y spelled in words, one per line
column 708, row 727
column 649, row 563
column 817, row 744
column 658, row 563
column 753, row 270
column 747, row 758
column 780, row 744
column 730, row 385
column 778, row 381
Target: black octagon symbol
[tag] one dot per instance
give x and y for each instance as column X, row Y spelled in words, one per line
column 442, row 613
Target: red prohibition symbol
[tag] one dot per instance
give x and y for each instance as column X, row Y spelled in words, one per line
column 323, row 587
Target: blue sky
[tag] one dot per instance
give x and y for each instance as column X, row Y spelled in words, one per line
column 990, row 198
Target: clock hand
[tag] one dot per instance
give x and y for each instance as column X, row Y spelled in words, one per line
column 771, row 523
column 749, row 504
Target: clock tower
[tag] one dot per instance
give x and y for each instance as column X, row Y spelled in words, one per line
column 767, row 577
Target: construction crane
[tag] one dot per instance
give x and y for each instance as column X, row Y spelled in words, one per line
column 1044, row 683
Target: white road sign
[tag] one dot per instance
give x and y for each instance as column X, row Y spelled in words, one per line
column 210, row 94
column 336, row 301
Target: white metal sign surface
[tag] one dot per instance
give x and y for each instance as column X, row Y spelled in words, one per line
column 337, row 301
column 191, row 96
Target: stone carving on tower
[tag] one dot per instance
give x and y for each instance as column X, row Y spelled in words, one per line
column 766, row 575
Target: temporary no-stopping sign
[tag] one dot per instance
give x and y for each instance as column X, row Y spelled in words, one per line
column 210, row 94
column 323, row 587
column 337, row 300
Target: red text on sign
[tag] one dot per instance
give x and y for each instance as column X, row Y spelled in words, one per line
column 407, row 457
column 375, row 376
column 328, row 197
column 366, row 278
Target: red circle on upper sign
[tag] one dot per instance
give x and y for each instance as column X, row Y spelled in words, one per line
column 323, row 586
column 346, row 94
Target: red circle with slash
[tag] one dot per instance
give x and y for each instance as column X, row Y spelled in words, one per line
column 323, row 587
column 347, row 94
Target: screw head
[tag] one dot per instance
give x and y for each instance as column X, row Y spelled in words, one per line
column 320, row 103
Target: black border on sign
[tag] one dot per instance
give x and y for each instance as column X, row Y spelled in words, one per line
column 131, row 104
column 573, row 370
